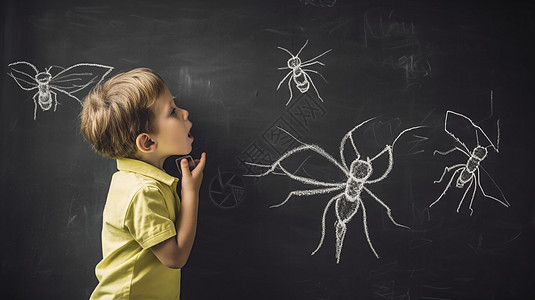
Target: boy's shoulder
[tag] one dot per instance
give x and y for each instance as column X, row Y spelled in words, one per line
column 136, row 180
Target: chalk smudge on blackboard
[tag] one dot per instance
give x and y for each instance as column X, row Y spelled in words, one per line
column 321, row 3
column 399, row 46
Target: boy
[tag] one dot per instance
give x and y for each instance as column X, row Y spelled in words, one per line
column 147, row 231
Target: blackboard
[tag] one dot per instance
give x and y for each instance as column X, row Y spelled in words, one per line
column 402, row 63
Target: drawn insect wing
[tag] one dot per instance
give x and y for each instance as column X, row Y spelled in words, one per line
column 78, row 77
column 488, row 186
column 55, row 69
column 466, row 131
column 24, row 75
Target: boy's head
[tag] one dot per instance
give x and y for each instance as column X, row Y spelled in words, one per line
column 117, row 111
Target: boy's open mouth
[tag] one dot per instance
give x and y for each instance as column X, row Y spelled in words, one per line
column 190, row 136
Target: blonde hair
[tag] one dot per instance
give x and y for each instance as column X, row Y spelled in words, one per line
column 115, row 112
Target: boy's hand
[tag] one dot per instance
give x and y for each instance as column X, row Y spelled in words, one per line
column 191, row 180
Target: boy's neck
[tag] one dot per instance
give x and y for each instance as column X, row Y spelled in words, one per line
column 151, row 159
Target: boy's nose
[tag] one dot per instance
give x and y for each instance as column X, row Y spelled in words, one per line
column 185, row 114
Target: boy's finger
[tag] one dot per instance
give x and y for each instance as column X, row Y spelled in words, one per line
column 184, row 165
column 202, row 162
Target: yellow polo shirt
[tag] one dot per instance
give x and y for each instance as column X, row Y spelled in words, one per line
column 140, row 212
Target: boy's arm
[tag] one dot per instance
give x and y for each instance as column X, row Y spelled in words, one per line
column 174, row 252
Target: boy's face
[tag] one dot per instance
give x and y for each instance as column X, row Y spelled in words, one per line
column 173, row 137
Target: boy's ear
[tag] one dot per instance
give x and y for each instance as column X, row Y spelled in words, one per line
column 145, row 143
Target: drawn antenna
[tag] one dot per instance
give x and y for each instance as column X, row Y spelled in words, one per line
column 302, row 48
column 408, row 129
column 288, row 51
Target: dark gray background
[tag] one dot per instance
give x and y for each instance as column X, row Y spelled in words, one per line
column 220, row 59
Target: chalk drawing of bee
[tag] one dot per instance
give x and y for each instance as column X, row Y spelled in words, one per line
column 470, row 171
column 67, row 81
column 298, row 74
column 357, row 178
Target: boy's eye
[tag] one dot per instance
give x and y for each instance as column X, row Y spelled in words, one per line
column 173, row 111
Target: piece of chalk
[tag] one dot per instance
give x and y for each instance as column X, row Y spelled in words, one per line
column 191, row 163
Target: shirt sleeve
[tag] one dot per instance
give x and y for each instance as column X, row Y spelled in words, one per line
column 147, row 218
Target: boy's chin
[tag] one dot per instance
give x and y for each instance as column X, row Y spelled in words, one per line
column 185, row 152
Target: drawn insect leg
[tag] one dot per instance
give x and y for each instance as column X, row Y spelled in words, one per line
column 312, row 82
column 54, row 98
column 458, row 168
column 289, row 86
column 466, row 192
column 35, row 100
column 388, row 209
column 307, row 193
column 290, row 89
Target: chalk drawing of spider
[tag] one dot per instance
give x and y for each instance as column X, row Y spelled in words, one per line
column 67, row 81
column 299, row 75
column 348, row 201
column 469, row 172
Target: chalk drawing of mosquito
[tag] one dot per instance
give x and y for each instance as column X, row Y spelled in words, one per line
column 299, row 74
column 67, row 81
column 469, row 172
column 349, row 200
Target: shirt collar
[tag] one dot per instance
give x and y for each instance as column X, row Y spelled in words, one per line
column 143, row 168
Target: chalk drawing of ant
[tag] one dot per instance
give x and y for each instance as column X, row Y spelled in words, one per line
column 469, row 172
column 299, row 75
column 349, row 200
column 66, row 81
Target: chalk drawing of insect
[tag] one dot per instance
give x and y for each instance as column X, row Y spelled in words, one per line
column 67, row 81
column 469, row 172
column 349, row 199
column 299, row 74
